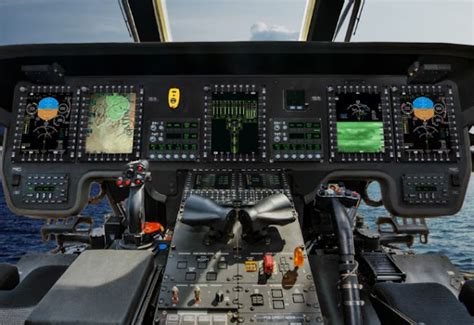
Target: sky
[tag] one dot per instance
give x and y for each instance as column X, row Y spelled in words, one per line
column 70, row 21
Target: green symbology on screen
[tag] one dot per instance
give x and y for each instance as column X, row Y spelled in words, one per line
column 360, row 137
column 117, row 106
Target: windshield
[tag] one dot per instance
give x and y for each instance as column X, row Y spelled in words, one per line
column 229, row 20
column 60, row 21
column 437, row 21
column 89, row 21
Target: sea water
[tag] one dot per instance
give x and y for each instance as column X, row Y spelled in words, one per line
column 452, row 236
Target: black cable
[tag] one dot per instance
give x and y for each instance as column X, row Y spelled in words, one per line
column 348, row 282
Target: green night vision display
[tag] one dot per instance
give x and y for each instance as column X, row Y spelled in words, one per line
column 360, row 137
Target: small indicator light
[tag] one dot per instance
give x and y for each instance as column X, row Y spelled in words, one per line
column 128, row 182
column 250, row 266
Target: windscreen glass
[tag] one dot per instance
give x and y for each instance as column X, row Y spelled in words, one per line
column 239, row 20
column 436, row 21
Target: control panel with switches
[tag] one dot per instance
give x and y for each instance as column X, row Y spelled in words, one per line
column 44, row 188
column 426, row 188
column 296, row 140
column 255, row 274
column 173, row 140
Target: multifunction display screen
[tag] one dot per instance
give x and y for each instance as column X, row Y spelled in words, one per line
column 111, row 123
column 46, row 124
column 235, row 123
column 359, row 123
column 425, row 123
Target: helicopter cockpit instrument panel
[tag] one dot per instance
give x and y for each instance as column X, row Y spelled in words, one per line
column 315, row 124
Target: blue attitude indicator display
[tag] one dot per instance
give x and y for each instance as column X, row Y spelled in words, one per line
column 425, row 123
column 46, row 121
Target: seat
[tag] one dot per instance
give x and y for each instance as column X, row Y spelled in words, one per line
column 18, row 302
column 467, row 296
column 100, row 287
column 413, row 303
column 32, row 289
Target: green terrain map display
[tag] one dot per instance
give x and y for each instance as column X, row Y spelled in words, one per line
column 111, row 123
column 360, row 137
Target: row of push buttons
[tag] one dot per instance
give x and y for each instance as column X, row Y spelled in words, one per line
column 175, row 156
column 196, row 320
column 300, row 156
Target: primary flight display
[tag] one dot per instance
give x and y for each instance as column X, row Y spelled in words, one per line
column 45, row 127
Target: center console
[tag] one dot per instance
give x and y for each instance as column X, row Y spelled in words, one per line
column 241, row 278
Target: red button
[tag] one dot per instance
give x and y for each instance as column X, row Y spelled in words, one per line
column 119, row 182
column 268, row 264
column 128, row 182
column 139, row 168
column 138, row 182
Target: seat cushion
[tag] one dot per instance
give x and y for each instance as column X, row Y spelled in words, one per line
column 100, row 287
column 467, row 296
column 9, row 277
column 33, row 288
column 429, row 303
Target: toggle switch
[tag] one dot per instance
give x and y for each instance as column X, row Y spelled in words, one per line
column 197, row 295
column 219, row 296
column 174, row 295
column 298, row 257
